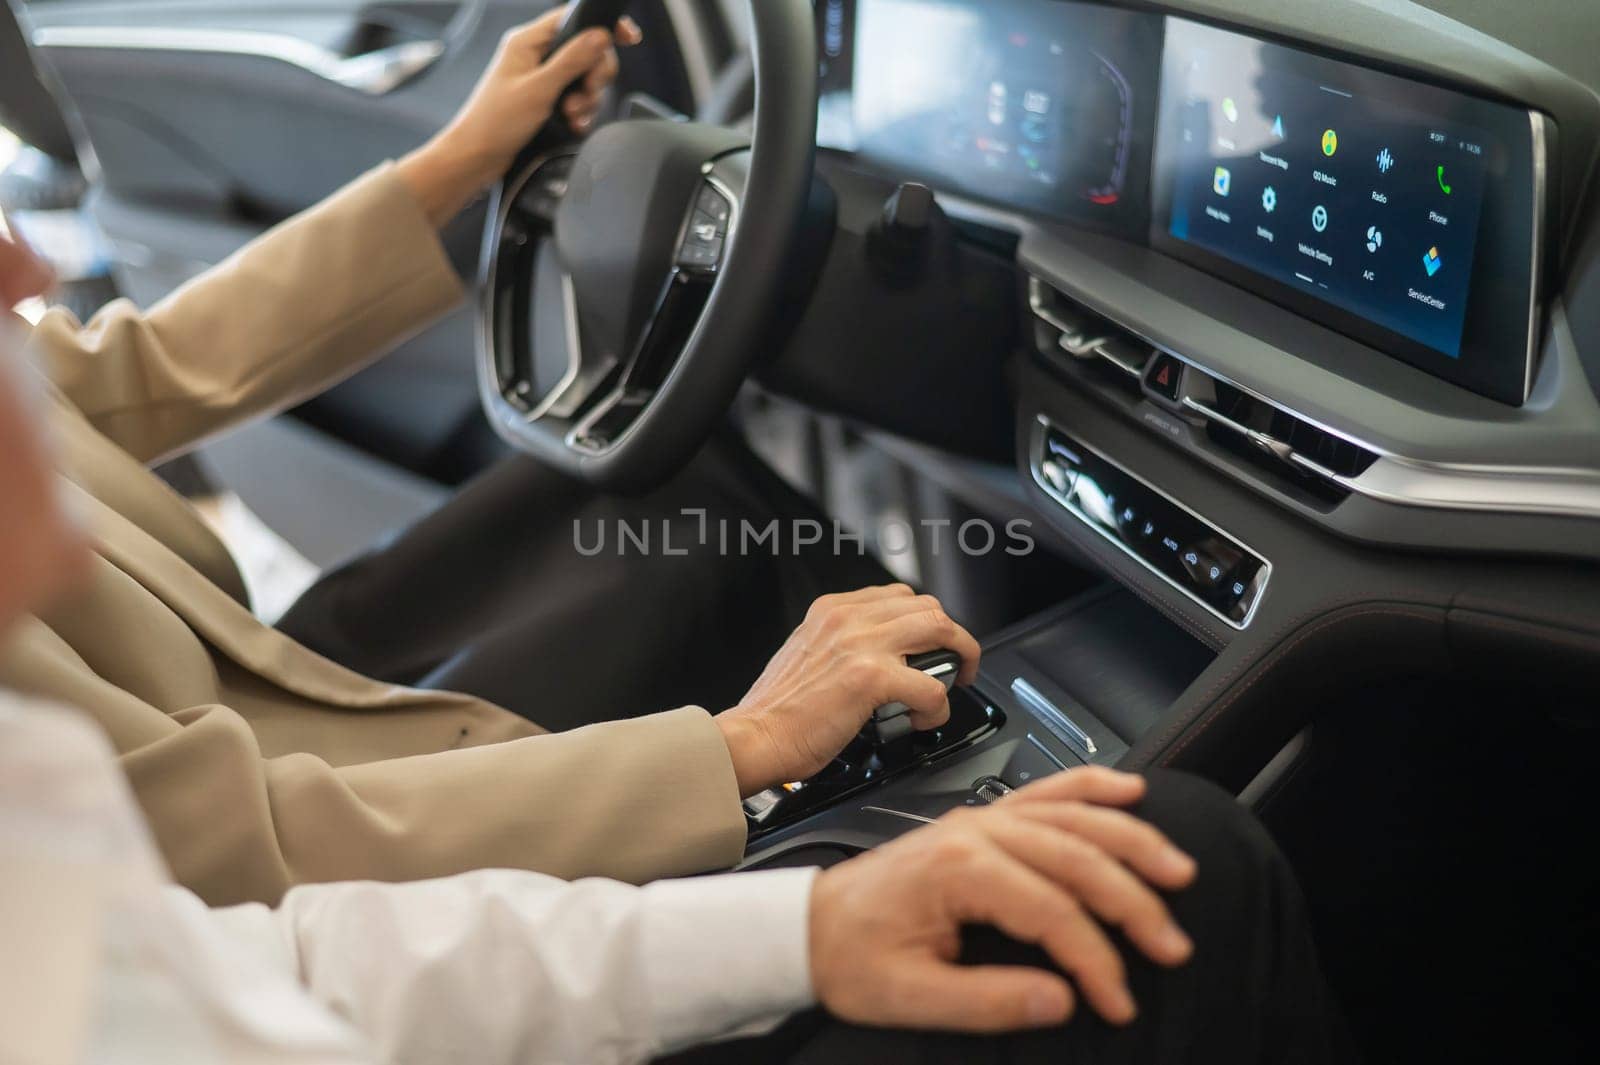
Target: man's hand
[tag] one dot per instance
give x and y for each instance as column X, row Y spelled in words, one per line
column 846, row 659
column 1052, row 864
column 517, row 95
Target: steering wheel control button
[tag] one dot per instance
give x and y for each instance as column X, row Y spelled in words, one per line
column 706, row 235
column 1165, row 377
column 715, row 206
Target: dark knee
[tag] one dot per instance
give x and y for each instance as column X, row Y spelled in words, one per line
column 1225, row 839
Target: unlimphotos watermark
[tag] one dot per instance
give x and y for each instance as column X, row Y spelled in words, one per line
column 698, row 531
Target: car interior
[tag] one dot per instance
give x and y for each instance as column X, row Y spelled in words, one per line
column 1276, row 326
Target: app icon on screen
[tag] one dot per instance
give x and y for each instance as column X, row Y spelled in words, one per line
column 1221, row 181
column 1319, row 218
column 1277, row 127
column 1374, row 238
column 1230, row 110
column 1385, row 161
column 1330, row 142
column 1269, row 199
column 1432, row 262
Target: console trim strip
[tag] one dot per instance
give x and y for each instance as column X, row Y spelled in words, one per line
column 918, row 818
column 1041, row 428
column 1054, row 718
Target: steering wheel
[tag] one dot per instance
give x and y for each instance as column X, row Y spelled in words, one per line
column 628, row 279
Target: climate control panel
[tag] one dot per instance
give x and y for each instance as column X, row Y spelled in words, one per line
column 1178, row 545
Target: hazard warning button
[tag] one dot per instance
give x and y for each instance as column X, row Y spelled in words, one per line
column 1164, row 377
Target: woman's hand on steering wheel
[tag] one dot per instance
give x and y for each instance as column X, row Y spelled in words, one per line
column 514, row 99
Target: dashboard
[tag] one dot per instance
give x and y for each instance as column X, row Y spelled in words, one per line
column 1404, row 215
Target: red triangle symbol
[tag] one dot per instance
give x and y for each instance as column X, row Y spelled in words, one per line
column 1163, row 375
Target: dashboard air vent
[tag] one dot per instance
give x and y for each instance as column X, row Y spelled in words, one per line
column 1234, row 428
column 1068, row 332
column 1270, row 437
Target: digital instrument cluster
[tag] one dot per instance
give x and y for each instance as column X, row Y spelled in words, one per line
column 1039, row 105
column 1400, row 213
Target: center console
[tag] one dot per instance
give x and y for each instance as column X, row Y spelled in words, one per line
column 1074, row 686
column 1290, row 363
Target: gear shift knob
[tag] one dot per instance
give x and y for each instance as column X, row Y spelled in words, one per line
column 892, row 721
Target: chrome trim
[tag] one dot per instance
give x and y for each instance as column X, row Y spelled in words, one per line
column 1572, row 493
column 1279, row 449
column 1036, row 304
column 569, row 308
column 1054, row 758
column 486, row 343
column 918, row 818
column 1541, row 176
column 1563, row 492
column 373, row 73
column 1054, row 718
column 1042, row 426
column 1105, row 350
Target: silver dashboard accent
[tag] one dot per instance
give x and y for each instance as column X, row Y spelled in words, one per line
column 1271, row 445
column 1402, row 481
column 374, row 73
column 1546, row 490
column 1541, row 176
column 918, row 818
column 1054, row 718
column 563, row 399
column 1064, row 496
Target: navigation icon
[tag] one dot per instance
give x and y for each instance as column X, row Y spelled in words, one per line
column 1269, row 199
column 1319, row 218
column 1221, row 181
column 1277, row 127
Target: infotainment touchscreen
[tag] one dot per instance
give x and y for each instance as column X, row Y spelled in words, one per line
column 1040, row 105
column 1398, row 212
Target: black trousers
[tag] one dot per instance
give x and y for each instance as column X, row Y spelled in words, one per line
column 1252, row 993
column 535, row 592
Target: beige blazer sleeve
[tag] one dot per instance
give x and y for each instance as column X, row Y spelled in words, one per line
column 282, row 320
column 415, row 786
column 259, row 764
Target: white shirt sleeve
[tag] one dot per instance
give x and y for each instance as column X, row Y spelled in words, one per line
column 510, row 967
column 114, row 963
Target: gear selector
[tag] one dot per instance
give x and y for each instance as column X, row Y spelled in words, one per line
column 886, row 747
column 892, row 721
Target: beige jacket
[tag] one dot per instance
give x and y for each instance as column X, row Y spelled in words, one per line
column 260, row 764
